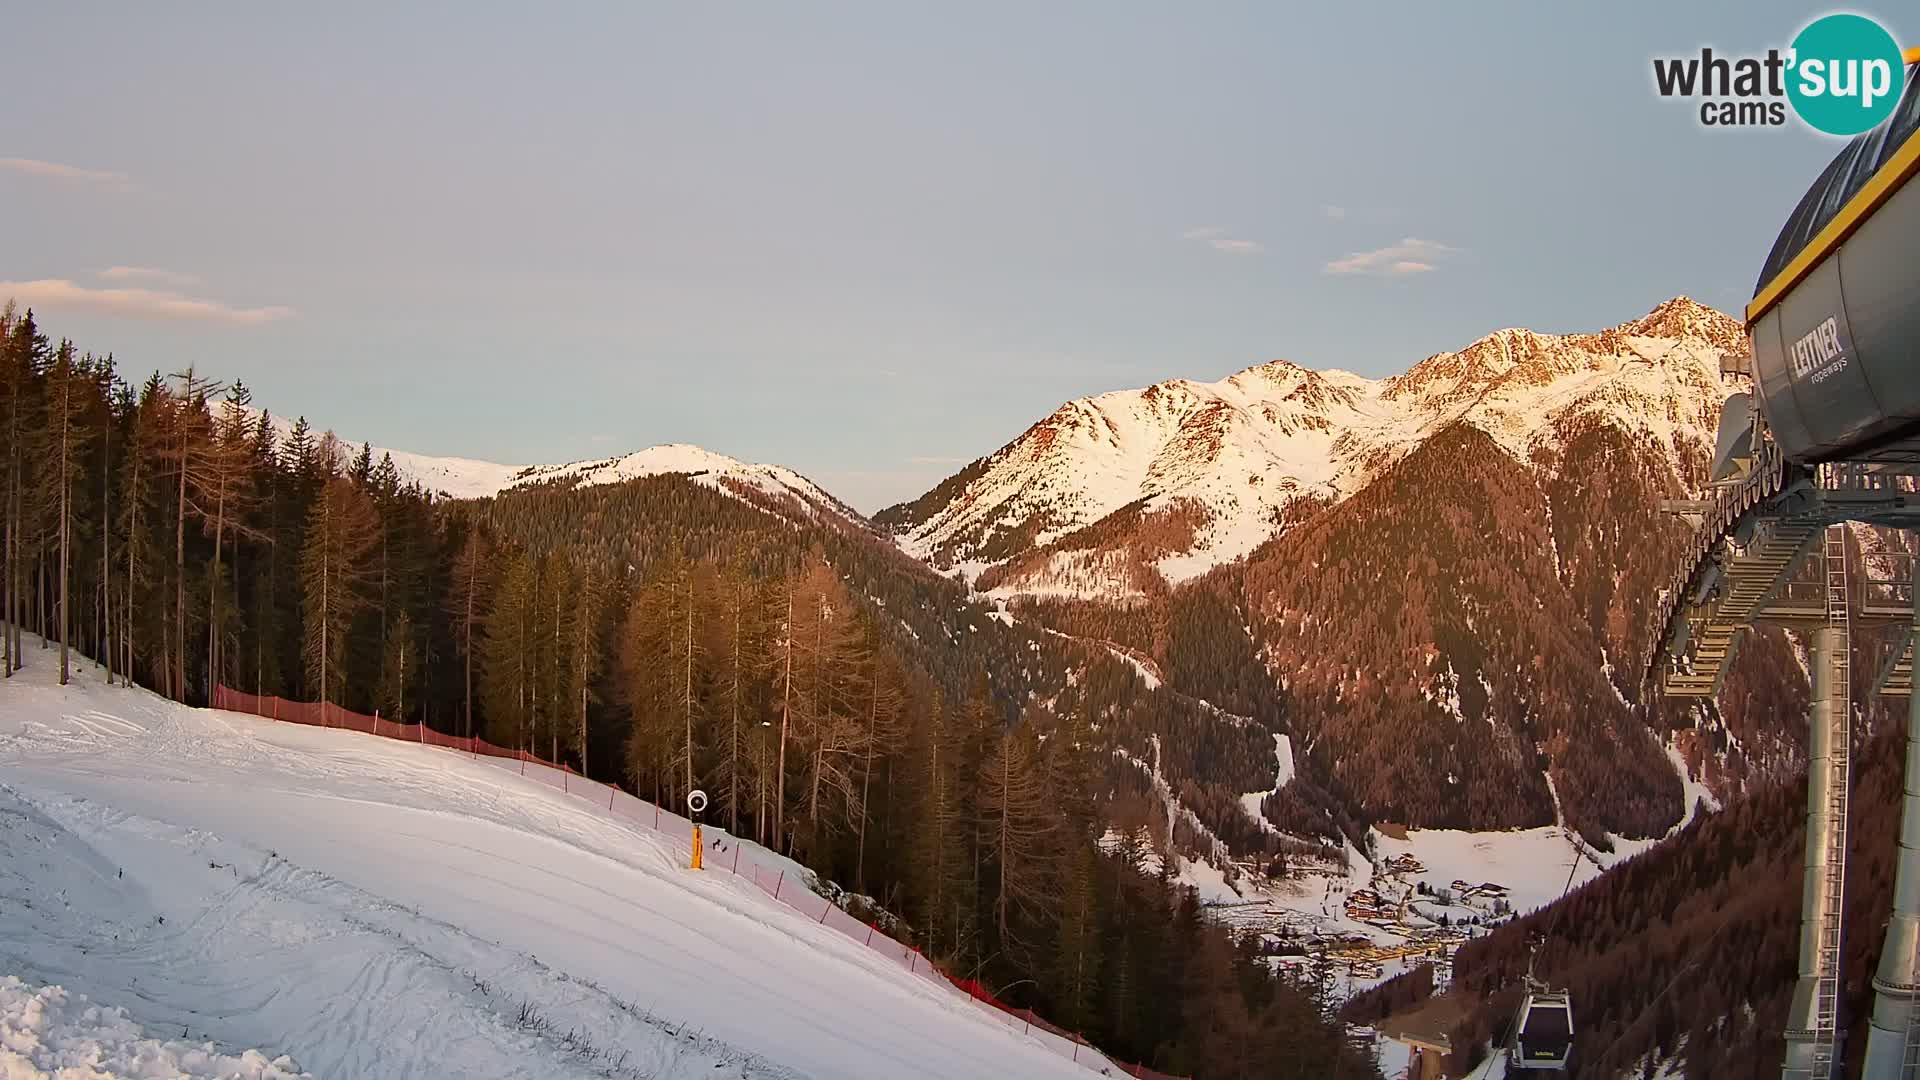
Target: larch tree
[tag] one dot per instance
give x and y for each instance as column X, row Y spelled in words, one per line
column 67, row 407
column 115, row 403
column 787, row 646
column 190, row 450
column 466, row 602
column 142, row 623
column 664, row 658
column 1018, row 817
column 583, row 658
column 341, row 534
column 224, row 480
column 741, row 632
column 266, row 625
column 22, row 360
column 510, row 638
column 886, row 696
column 399, row 669
column 832, row 721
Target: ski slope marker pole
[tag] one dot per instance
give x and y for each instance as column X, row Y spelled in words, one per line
column 696, row 803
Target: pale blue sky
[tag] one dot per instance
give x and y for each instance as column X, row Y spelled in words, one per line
column 869, row 241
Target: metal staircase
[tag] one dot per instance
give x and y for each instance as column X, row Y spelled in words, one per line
column 1753, row 576
column 1825, row 1048
column 1896, row 679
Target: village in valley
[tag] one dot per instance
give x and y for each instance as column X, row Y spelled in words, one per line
column 1351, row 927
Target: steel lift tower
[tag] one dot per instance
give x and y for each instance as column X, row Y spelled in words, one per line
column 1826, row 434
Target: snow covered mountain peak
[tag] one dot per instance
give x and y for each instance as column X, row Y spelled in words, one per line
column 705, row 466
column 467, row 478
column 1188, row 475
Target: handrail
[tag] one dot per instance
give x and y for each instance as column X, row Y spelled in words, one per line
column 1764, row 479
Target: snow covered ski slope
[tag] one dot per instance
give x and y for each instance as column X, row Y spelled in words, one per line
column 371, row 908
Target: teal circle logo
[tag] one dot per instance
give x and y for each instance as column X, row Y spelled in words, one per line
column 1845, row 75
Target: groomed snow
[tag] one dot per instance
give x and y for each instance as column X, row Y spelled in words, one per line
column 378, row 909
column 47, row 1032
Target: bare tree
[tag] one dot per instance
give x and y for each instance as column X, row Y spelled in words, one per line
column 885, row 698
column 341, row 534
column 189, row 449
column 67, row 406
column 226, row 485
column 1013, row 804
column 465, row 596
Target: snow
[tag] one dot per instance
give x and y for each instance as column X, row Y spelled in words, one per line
column 1208, row 880
column 467, row 478
column 1147, row 678
column 1693, row 790
column 47, row 1032
column 1533, row 864
column 1283, row 756
column 683, row 459
column 1235, row 453
column 374, row 908
column 1393, row 1056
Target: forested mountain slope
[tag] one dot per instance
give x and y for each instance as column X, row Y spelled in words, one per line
column 679, row 624
column 1686, row 952
column 1440, row 584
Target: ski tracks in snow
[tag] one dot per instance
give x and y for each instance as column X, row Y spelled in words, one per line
column 295, row 868
column 248, row 949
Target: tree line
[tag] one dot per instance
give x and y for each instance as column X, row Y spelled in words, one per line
column 180, row 538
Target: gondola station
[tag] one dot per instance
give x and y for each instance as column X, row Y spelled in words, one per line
column 1824, row 431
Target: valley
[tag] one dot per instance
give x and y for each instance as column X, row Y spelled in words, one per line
column 1340, row 661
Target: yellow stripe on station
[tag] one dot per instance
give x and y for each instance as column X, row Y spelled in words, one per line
column 1891, row 177
column 1911, row 56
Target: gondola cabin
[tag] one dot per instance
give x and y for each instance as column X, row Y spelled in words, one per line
column 1543, row 1032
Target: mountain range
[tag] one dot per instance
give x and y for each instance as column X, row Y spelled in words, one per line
column 1438, row 584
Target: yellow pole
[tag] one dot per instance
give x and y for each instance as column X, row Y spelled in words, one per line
column 696, row 845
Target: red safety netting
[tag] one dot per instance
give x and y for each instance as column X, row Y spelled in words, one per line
column 722, row 853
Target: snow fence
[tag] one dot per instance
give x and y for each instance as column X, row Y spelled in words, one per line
column 726, row 855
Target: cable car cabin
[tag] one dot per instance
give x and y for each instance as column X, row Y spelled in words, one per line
column 1835, row 318
column 1543, row 1032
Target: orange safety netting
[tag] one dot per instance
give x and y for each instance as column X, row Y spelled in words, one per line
column 724, row 854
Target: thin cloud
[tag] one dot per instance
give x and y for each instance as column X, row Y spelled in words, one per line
column 1408, row 257
column 1216, row 238
column 937, row 460
column 147, row 273
column 57, row 171
column 136, row 303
